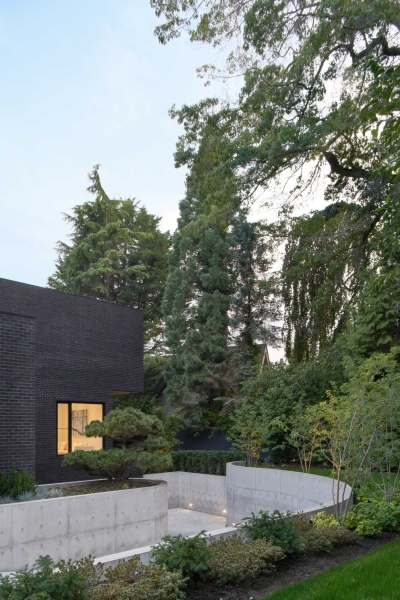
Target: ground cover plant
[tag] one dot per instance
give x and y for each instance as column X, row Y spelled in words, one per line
column 374, row 576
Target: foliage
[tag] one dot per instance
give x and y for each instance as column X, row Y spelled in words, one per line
column 322, row 533
column 16, row 482
column 190, row 555
column 117, row 254
column 275, row 527
column 212, row 462
column 254, row 309
column 247, row 431
column 358, row 430
column 132, row 580
column 233, row 560
column 370, row 518
column 45, row 581
column 274, row 399
column 142, row 442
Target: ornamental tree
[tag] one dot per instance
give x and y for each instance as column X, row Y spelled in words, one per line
column 142, row 445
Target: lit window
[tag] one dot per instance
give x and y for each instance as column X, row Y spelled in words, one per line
column 72, row 419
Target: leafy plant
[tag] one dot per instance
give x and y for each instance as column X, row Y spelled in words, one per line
column 142, row 441
column 46, row 580
column 233, row 560
column 323, row 520
column 370, row 518
column 16, row 483
column 276, row 528
column 190, row 555
column 212, row 462
column 322, row 533
column 132, row 580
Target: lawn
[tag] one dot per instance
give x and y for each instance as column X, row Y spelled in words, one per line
column 375, row 576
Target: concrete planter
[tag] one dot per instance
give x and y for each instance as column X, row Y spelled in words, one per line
column 73, row 527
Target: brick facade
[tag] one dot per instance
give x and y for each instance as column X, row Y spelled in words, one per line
column 75, row 349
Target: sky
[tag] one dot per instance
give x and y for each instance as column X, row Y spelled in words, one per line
column 85, row 82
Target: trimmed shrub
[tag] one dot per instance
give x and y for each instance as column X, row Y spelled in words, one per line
column 233, row 560
column 322, row 519
column 276, row 528
column 46, row 581
column 370, row 518
column 212, row 462
column 190, row 555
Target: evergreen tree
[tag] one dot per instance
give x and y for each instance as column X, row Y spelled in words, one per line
column 254, row 308
column 117, row 254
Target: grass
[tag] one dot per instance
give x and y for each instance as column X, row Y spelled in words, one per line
column 327, row 472
column 375, row 576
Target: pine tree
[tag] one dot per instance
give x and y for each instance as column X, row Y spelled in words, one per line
column 254, row 309
column 117, row 254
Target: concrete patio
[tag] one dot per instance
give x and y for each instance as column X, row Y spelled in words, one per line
column 189, row 522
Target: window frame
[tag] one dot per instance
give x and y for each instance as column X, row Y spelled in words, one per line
column 69, row 404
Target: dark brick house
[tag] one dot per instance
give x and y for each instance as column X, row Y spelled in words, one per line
column 62, row 358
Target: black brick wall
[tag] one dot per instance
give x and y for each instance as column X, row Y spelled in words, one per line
column 86, row 349
column 17, row 391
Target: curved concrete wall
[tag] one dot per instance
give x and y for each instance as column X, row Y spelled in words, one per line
column 73, row 527
column 195, row 491
column 253, row 489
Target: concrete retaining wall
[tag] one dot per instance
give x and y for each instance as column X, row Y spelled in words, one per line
column 73, row 527
column 195, row 491
column 252, row 489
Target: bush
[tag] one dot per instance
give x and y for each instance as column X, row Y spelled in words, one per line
column 212, row 462
column 322, row 533
column 142, row 441
column 233, row 560
column 16, row 483
column 132, row 580
column 277, row 528
column 370, row 518
column 46, row 581
column 188, row 555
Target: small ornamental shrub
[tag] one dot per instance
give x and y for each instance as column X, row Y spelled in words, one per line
column 276, row 528
column 233, row 560
column 322, row 519
column 46, row 581
column 370, row 518
column 190, row 555
column 17, row 483
column 142, row 440
column 132, row 580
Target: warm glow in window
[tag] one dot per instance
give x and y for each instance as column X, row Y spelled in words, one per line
column 72, row 419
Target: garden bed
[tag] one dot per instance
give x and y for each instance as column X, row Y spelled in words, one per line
column 292, row 570
column 95, row 487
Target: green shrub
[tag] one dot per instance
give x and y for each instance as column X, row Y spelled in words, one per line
column 322, row 533
column 212, row 462
column 132, row 580
column 190, row 555
column 322, row 519
column 370, row 518
column 16, row 483
column 233, row 560
column 276, row 527
column 46, row 581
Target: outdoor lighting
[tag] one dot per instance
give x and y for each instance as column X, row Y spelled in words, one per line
column 190, row 504
column 224, row 511
column 233, row 524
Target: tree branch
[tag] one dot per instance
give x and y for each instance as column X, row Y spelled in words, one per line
column 344, row 171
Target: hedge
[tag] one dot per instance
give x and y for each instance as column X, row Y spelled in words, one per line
column 212, row 462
